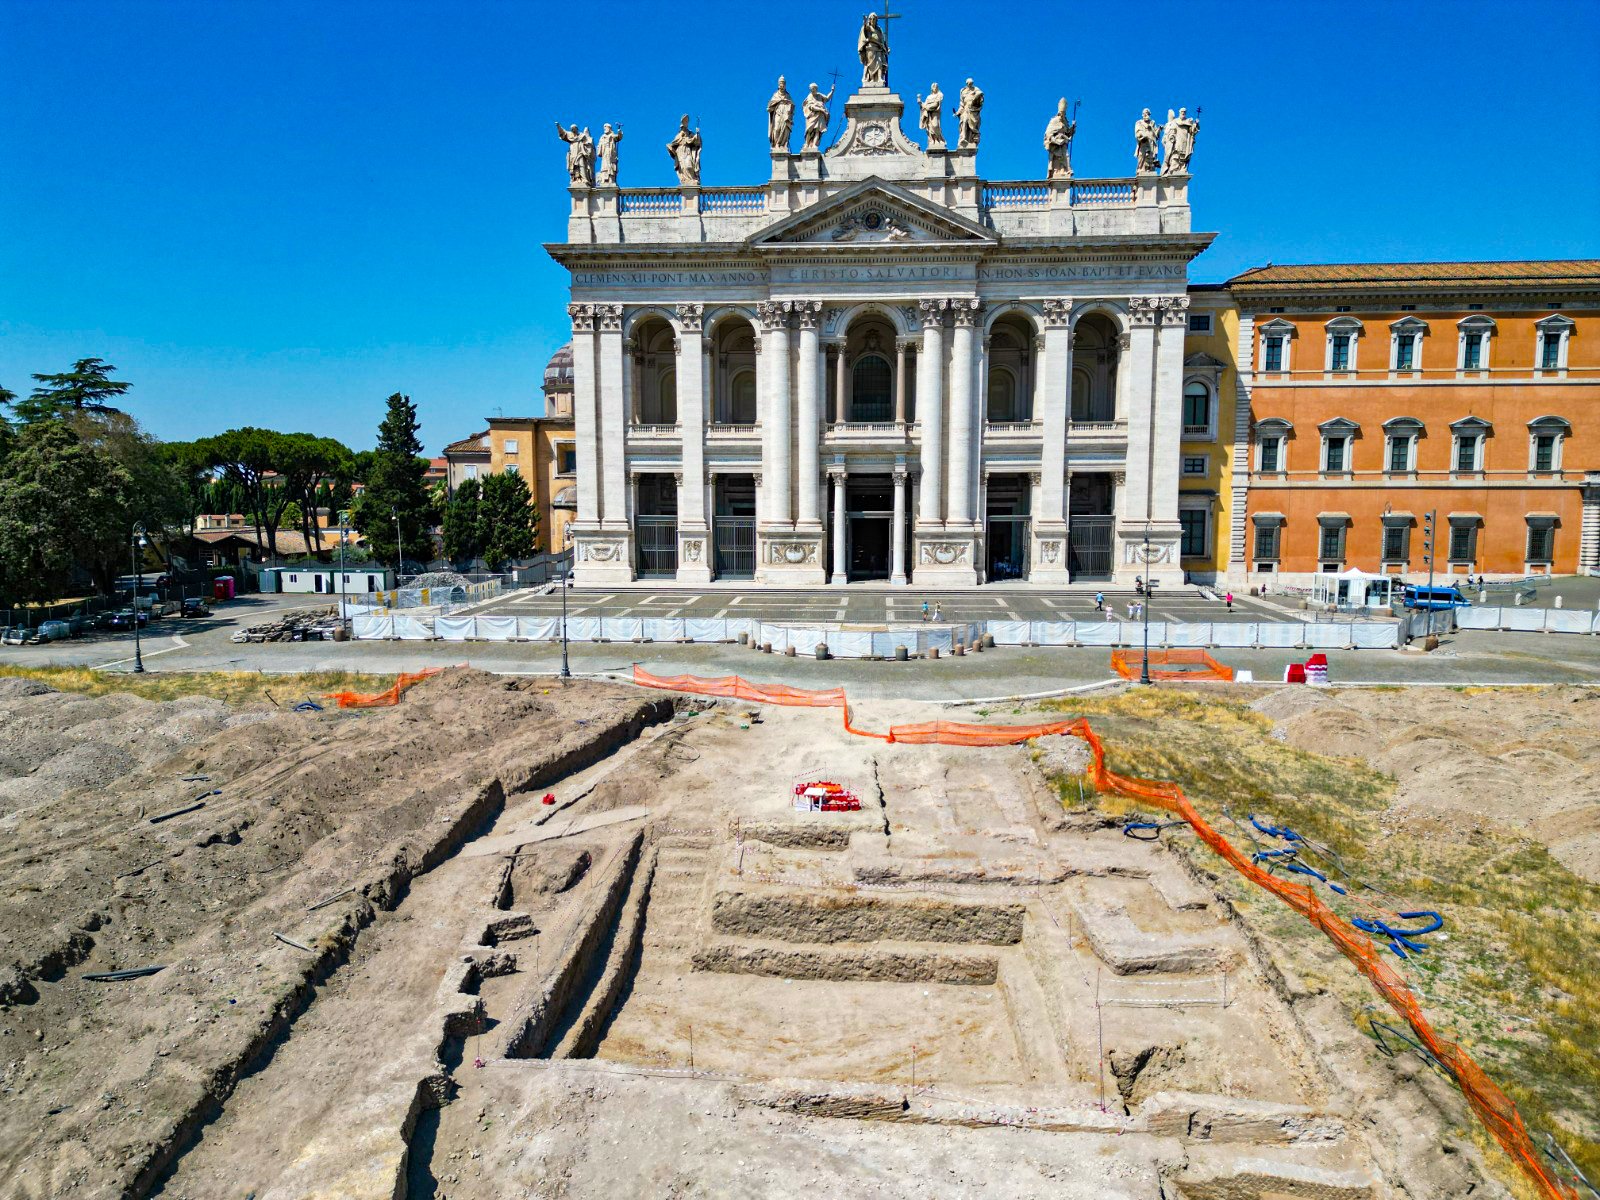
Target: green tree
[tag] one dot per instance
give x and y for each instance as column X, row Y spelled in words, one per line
column 8, row 435
column 250, row 458
column 510, row 519
column 64, row 506
column 88, row 387
column 395, row 491
column 463, row 530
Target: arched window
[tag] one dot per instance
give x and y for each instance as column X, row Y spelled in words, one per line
column 742, row 399
column 666, row 412
column 1082, row 387
column 1196, row 409
column 1002, row 395
column 871, row 389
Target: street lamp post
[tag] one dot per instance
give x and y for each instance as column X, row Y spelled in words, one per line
column 133, row 553
column 1144, row 612
column 399, row 549
column 344, row 613
column 566, row 671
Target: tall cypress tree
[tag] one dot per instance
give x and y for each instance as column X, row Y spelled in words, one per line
column 395, row 489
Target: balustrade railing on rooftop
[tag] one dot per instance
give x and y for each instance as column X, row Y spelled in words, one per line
column 650, row 201
column 1101, row 193
column 733, row 200
column 1015, row 194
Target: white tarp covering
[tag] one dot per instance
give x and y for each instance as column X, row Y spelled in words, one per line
column 621, row 629
column 583, row 629
column 1375, row 636
column 1009, row 633
column 1568, row 620
column 663, row 629
column 775, row 635
column 1230, row 634
column 1131, row 633
column 854, row 644
column 1197, row 633
column 497, row 629
column 1279, row 633
column 1053, row 633
column 1478, row 618
column 738, row 625
column 705, row 629
column 1327, row 636
column 1088, row 633
column 941, row 640
column 411, row 629
column 806, row 641
column 454, row 629
column 372, row 626
column 1525, row 619
column 543, row 629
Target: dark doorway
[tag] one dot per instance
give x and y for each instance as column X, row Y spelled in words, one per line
column 1008, row 522
column 656, row 527
column 1090, row 524
column 734, row 526
column 869, row 509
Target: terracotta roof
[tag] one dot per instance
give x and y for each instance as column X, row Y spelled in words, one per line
column 476, row 444
column 1542, row 274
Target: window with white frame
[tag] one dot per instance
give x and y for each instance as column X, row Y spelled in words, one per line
column 1466, row 456
column 513, row 469
column 1343, row 333
column 1405, row 344
column 1463, row 546
column 1195, row 541
column 1271, row 444
column 1554, row 332
column 509, row 446
column 469, row 471
column 1400, row 445
column 1199, row 322
column 1396, row 539
column 566, row 458
column 1545, row 437
column 1275, row 339
column 1338, row 437
column 1473, row 337
column 1331, row 529
column 1197, row 409
column 1269, row 540
column 1541, row 539
column 1196, row 464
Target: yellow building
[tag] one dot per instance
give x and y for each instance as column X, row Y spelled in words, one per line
column 544, row 451
column 1206, row 467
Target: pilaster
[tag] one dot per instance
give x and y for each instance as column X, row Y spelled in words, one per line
column 960, row 500
column 809, row 409
column 694, row 558
column 613, row 417
column 930, row 413
column 1048, row 558
column 1147, row 529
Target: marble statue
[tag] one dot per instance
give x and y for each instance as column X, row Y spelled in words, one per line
column 931, row 119
column 780, row 116
column 815, row 107
column 1145, row 136
column 1178, row 142
column 609, row 138
column 580, row 154
column 684, row 150
column 1058, row 142
column 873, row 49
column 968, row 113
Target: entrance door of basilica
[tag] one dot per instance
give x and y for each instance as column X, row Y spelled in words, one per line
column 869, row 509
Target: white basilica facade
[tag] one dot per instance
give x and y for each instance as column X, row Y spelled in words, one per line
column 878, row 365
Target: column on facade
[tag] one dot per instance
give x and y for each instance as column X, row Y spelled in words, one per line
column 809, row 410
column 691, row 370
column 837, row 474
column 840, row 377
column 584, row 415
column 900, row 345
column 963, row 346
column 1166, row 442
column 897, row 528
column 613, row 424
column 1138, row 368
column 930, row 411
column 1053, row 413
column 777, row 423
column 635, row 404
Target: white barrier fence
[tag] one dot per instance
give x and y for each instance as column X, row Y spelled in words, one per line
column 846, row 643
column 441, row 599
column 1528, row 620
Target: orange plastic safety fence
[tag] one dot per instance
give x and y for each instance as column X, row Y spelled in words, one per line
column 1212, row 669
column 384, row 698
column 1493, row 1107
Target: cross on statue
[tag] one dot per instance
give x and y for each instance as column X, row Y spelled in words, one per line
column 834, row 75
column 886, row 16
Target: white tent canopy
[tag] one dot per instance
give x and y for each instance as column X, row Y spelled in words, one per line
column 1352, row 588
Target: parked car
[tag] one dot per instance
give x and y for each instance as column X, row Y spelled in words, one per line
column 16, row 635
column 1435, row 598
column 54, row 631
column 124, row 618
column 194, row 606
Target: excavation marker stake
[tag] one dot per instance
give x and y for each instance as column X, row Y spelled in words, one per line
column 295, row 944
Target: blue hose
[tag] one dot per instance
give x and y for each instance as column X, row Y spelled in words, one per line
column 1400, row 940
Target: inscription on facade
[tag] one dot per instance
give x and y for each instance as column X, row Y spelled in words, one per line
column 1007, row 273
column 591, row 279
column 871, row 273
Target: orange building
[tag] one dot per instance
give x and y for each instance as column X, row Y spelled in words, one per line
column 543, row 450
column 1381, row 392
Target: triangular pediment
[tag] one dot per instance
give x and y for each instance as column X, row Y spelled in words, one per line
column 871, row 213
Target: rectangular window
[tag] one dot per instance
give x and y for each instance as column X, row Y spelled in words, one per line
column 470, row 471
column 1194, row 522
column 1399, row 454
column 1330, row 546
column 1541, row 541
column 1271, row 451
column 1195, row 464
column 1463, row 543
column 1340, row 360
column 1544, row 452
column 1405, row 352
column 1267, row 543
column 1196, row 409
column 1472, row 352
column 1395, row 543
column 513, row 469
column 1199, row 322
column 1274, row 354
column 1550, row 352
column 567, row 461
column 510, row 446
column 1337, row 449
column 1467, row 453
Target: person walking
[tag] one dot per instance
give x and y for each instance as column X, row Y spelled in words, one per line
column 1099, row 602
column 938, row 612
column 1111, row 615
column 924, row 612
column 1229, row 599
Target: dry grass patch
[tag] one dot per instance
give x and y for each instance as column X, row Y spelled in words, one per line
column 232, row 687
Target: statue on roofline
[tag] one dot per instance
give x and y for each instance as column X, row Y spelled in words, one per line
column 1146, row 136
column 609, row 138
column 580, row 154
column 1178, row 142
column 1058, row 142
column 931, row 116
column 684, row 150
column 872, row 47
column 780, row 116
column 816, row 110
column 968, row 115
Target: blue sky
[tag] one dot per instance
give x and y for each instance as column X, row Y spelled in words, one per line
column 277, row 213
